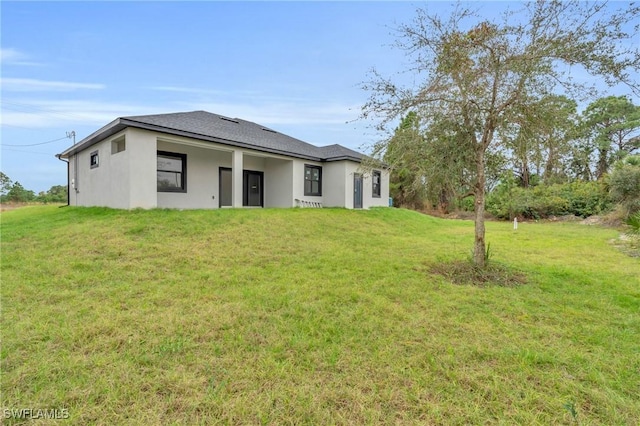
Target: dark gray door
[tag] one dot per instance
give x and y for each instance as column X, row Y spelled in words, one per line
column 357, row 191
column 225, row 195
column 252, row 192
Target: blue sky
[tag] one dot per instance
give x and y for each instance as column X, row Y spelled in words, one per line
column 77, row 66
column 292, row 66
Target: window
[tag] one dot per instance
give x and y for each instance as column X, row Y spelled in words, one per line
column 172, row 172
column 117, row 145
column 94, row 161
column 376, row 176
column 312, row 180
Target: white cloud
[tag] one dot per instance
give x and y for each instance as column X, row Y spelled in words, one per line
column 192, row 90
column 265, row 108
column 33, row 85
column 54, row 113
column 10, row 56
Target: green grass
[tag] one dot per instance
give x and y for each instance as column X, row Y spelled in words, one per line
column 312, row 316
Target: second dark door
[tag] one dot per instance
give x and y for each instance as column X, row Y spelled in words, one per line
column 252, row 192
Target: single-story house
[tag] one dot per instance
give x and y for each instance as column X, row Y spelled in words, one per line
column 200, row 160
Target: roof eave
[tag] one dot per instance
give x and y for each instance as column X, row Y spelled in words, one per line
column 110, row 129
column 343, row 157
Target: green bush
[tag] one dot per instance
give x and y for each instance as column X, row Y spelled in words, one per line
column 576, row 198
column 624, row 184
column 467, row 204
column 634, row 223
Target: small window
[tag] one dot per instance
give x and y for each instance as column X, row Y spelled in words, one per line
column 172, row 172
column 118, row 145
column 94, row 161
column 312, row 180
column 376, row 177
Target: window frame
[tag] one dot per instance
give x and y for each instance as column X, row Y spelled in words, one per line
column 183, row 173
column 376, row 189
column 310, row 193
column 94, row 154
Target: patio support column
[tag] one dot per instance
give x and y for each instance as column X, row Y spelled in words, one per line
column 236, row 181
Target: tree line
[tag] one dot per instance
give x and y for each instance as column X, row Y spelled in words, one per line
column 14, row 192
column 556, row 162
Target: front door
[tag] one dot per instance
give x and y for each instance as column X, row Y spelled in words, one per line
column 357, row 191
column 252, row 195
column 226, row 188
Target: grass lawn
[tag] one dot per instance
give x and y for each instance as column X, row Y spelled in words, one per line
column 312, row 316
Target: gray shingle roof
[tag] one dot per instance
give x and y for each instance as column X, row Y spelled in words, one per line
column 217, row 128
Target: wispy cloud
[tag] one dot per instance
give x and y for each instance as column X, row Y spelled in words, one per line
column 33, row 85
column 191, row 90
column 285, row 113
column 264, row 108
column 10, row 56
column 55, row 113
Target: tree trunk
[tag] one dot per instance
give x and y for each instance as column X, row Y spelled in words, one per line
column 603, row 163
column 525, row 176
column 479, row 245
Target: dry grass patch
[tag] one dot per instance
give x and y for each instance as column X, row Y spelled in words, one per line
column 466, row 273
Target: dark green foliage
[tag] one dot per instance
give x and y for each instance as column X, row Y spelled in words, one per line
column 5, row 184
column 634, row 222
column 624, row 184
column 56, row 194
column 18, row 194
column 403, row 154
column 612, row 123
column 543, row 201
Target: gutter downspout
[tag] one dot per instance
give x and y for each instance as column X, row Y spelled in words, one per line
column 68, row 188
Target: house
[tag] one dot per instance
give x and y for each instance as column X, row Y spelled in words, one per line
column 200, row 160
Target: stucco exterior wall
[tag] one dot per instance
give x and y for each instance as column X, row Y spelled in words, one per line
column 368, row 200
column 334, row 184
column 202, row 177
column 141, row 148
column 278, row 183
column 104, row 185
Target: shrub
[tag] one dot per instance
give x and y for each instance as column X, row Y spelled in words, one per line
column 634, row 222
column 624, row 184
column 575, row 198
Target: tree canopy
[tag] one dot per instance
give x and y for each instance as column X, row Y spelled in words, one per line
column 481, row 76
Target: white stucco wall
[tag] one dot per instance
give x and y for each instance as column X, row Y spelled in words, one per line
column 105, row 185
column 278, row 183
column 368, row 200
column 334, row 184
column 141, row 150
column 202, row 177
column 123, row 179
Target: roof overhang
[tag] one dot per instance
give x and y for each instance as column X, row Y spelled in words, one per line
column 110, row 129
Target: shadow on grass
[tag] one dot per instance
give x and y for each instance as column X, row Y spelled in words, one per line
column 464, row 272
